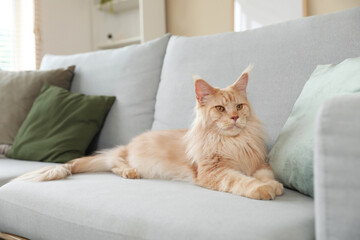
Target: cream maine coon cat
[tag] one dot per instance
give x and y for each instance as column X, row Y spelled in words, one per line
column 223, row 150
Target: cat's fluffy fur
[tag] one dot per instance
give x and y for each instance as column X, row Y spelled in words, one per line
column 223, row 150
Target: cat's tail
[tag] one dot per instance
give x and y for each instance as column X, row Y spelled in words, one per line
column 102, row 162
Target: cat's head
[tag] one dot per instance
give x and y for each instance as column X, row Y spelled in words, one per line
column 223, row 110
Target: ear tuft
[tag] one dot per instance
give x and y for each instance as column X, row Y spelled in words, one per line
column 249, row 68
column 196, row 77
column 241, row 83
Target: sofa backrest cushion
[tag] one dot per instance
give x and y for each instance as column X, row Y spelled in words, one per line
column 132, row 74
column 284, row 56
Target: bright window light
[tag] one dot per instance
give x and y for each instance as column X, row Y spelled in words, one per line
column 17, row 40
column 251, row 14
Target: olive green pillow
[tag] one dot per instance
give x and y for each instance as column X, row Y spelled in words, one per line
column 60, row 125
column 18, row 91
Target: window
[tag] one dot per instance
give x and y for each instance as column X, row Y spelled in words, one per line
column 17, row 40
column 251, row 14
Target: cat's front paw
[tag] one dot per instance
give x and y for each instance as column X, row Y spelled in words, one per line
column 263, row 192
column 131, row 173
column 278, row 187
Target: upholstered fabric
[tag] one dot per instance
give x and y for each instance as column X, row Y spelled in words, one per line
column 336, row 169
column 284, row 55
column 60, row 125
column 132, row 74
column 4, row 148
column 12, row 168
column 292, row 155
column 18, row 90
column 106, row 206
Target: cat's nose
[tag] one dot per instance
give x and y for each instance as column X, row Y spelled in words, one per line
column 235, row 118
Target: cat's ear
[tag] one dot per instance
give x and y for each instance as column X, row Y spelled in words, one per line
column 202, row 89
column 241, row 83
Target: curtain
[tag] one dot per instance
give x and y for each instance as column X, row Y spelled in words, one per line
column 38, row 52
column 17, row 38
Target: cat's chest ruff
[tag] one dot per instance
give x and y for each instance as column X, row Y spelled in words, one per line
column 236, row 152
column 229, row 148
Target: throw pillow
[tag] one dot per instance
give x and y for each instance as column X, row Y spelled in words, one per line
column 60, row 125
column 3, row 149
column 18, row 91
column 292, row 155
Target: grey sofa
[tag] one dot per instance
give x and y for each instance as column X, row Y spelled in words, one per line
column 154, row 90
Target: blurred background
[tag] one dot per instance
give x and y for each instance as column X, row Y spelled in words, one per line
column 31, row 28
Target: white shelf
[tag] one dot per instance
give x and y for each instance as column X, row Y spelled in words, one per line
column 120, row 43
column 144, row 19
column 118, row 5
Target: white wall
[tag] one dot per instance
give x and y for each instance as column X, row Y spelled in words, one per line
column 199, row 17
column 65, row 26
column 316, row 7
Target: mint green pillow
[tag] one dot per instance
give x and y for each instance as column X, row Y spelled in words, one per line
column 293, row 153
column 60, row 125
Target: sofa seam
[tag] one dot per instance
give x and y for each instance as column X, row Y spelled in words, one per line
column 325, row 176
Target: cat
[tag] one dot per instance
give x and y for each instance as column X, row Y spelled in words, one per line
column 224, row 149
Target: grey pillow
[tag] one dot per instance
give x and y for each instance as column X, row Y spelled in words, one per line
column 132, row 74
column 18, row 91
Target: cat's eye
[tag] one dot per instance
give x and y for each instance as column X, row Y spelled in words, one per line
column 239, row 106
column 220, row 108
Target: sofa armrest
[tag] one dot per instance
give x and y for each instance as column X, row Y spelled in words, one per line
column 337, row 169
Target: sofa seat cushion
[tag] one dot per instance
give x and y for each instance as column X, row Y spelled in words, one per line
column 105, row 206
column 11, row 168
